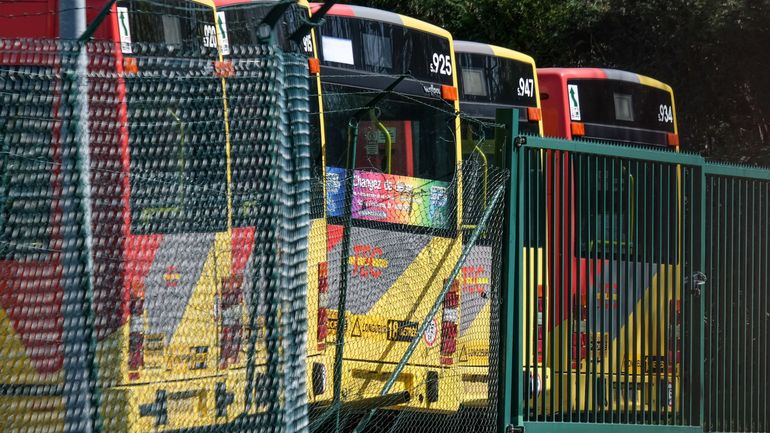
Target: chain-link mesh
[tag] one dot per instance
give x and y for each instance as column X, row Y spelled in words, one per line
column 414, row 263
column 182, row 303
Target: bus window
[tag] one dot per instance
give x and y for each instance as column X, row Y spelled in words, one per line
column 183, row 28
column 422, row 146
column 178, row 181
column 26, row 143
column 606, row 204
column 243, row 22
column 624, row 107
column 624, row 209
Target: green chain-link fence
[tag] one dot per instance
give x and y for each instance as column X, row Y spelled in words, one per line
column 189, row 310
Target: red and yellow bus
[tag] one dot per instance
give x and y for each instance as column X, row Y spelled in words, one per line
column 613, row 226
column 406, row 225
column 240, row 21
column 491, row 78
column 161, row 219
column 607, row 104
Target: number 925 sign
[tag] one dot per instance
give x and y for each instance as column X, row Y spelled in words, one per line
column 441, row 64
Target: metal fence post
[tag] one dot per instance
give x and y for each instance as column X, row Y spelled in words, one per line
column 509, row 387
column 77, row 260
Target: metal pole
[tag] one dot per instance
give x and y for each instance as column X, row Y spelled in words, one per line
column 77, row 264
column 510, row 399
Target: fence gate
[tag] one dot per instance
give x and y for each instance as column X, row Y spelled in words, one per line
column 606, row 260
column 737, row 315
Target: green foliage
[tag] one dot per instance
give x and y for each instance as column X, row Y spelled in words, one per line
column 712, row 52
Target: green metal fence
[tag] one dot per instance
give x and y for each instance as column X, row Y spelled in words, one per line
column 737, row 309
column 637, row 290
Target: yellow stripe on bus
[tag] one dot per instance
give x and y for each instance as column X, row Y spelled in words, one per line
column 651, row 82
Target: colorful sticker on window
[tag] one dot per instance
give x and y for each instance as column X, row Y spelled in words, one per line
column 390, row 198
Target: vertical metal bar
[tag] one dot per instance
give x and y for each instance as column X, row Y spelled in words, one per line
column 580, row 288
column 738, row 305
column 698, row 218
column 743, row 371
column 761, row 297
column 627, row 290
column 637, row 264
column 552, row 273
column 764, row 364
column 660, row 282
column 646, row 295
column 509, row 387
column 518, row 311
column 565, row 214
column 611, row 277
column 77, row 258
column 701, row 299
column 709, row 232
column 683, row 258
column 666, row 229
column 729, row 238
column 751, row 303
column 344, row 271
column 540, row 244
column 592, row 258
column 713, row 231
column 619, row 290
column 603, row 319
column 528, row 283
column 548, row 264
column 734, row 246
column 570, row 286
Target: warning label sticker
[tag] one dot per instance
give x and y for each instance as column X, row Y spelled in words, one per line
column 376, row 328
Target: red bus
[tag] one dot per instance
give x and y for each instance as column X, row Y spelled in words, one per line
column 161, row 217
column 607, row 104
column 613, row 228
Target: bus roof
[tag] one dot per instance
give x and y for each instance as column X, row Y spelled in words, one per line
column 491, row 50
column 605, row 74
column 223, row 3
column 384, row 16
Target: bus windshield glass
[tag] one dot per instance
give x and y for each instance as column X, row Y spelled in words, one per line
column 173, row 28
column 405, row 142
column 243, row 21
column 625, row 104
column 496, row 80
column 177, row 149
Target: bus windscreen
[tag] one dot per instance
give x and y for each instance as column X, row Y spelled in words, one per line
column 624, row 104
column 496, row 80
column 179, row 28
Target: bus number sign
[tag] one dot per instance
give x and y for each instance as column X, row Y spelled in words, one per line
column 441, row 64
column 526, row 87
column 665, row 114
column 307, row 44
column 210, row 36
